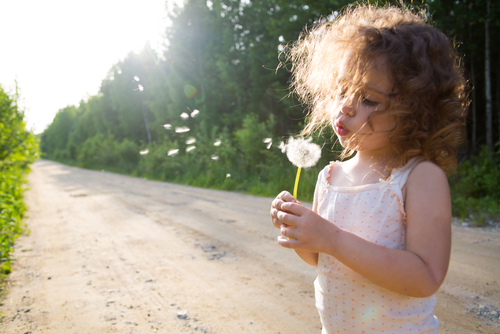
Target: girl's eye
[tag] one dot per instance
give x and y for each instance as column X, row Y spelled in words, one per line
column 368, row 102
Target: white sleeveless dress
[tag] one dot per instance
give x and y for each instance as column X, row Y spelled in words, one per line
column 347, row 302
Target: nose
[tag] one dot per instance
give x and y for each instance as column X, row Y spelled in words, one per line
column 347, row 107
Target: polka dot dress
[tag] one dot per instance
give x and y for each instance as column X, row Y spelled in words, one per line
column 347, row 302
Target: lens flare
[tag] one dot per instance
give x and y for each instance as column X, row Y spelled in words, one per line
column 190, row 91
column 181, row 129
column 173, row 152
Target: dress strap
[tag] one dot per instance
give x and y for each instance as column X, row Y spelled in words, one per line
column 402, row 174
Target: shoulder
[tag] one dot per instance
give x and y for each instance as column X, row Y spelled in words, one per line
column 427, row 180
column 426, row 171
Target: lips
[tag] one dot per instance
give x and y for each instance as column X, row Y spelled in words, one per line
column 340, row 129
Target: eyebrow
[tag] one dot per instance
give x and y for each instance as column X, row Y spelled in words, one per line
column 373, row 89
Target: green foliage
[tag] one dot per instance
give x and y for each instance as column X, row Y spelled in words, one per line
column 18, row 149
column 475, row 189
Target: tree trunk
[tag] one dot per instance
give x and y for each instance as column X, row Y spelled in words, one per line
column 487, row 78
column 473, row 107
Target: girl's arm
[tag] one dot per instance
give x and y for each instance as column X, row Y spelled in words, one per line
column 417, row 271
column 307, row 256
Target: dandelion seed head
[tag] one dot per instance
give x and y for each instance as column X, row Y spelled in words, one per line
column 173, row 152
column 228, row 175
column 144, row 152
column 302, row 152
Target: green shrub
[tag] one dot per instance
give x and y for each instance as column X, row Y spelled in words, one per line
column 475, row 189
column 18, row 149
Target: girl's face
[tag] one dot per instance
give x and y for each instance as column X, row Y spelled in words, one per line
column 350, row 113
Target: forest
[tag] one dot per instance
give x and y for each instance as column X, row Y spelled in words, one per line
column 213, row 109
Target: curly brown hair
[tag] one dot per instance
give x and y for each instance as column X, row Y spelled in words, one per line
column 430, row 105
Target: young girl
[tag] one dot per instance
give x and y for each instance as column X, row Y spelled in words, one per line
column 379, row 233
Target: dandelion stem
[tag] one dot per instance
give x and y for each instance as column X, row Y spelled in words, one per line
column 296, row 183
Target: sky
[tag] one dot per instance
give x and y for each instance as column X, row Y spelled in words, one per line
column 59, row 51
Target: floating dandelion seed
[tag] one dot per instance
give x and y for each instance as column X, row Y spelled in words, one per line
column 173, row 152
column 167, row 126
column 282, row 147
column 302, row 153
column 228, row 175
column 269, row 142
column 144, row 152
column 214, row 157
column 190, row 141
column 140, row 87
column 194, row 113
column 217, row 143
column 181, row 129
column 184, row 115
column 136, row 78
column 190, row 148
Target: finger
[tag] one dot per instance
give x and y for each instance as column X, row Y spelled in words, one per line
column 294, row 208
column 286, row 242
column 286, row 196
column 286, row 218
column 276, row 222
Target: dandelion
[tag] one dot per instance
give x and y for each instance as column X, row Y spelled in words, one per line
column 173, row 152
column 302, row 153
column 144, row 152
column 181, row 129
column 167, row 126
column 217, row 143
column 184, row 115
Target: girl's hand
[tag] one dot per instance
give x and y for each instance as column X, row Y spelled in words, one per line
column 305, row 229
column 283, row 197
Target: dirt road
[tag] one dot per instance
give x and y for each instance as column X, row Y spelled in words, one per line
column 109, row 253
